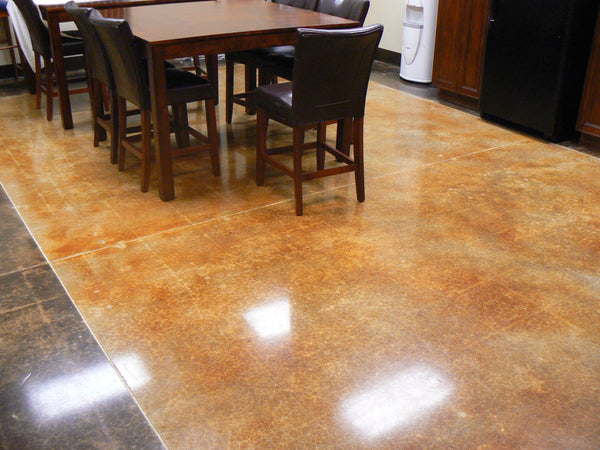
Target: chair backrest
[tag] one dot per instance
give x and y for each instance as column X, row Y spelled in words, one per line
column 38, row 32
column 348, row 9
column 331, row 73
column 98, row 65
column 129, row 71
column 303, row 4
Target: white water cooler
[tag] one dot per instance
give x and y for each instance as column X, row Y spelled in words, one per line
column 418, row 40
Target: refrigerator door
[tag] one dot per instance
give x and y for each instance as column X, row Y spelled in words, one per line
column 522, row 69
column 536, row 53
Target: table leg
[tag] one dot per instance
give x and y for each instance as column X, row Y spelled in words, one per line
column 212, row 70
column 160, row 121
column 60, row 71
column 250, row 86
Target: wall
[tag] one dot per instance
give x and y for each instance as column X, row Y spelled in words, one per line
column 390, row 13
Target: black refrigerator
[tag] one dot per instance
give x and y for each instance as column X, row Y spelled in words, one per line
column 535, row 61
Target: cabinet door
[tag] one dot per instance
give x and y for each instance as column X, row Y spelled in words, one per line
column 472, row 47
column 460, row 45
column 589, row 112
column 447, row 45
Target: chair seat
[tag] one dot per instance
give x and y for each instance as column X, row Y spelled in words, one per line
column 277, row 61
column 277, row 99
column 185, row 87
column 72, row 46
column 74, row 34
column 283, row 51
column 282, row 54
column 243, row 57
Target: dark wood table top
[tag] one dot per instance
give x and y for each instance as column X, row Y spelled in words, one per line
column 210, row 20
column 46, row 6
column 179, row 29
column 53, row 11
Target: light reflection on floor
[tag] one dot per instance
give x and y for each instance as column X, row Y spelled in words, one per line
column 395, row 402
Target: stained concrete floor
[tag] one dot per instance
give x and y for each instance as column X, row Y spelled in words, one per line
column 458, row 307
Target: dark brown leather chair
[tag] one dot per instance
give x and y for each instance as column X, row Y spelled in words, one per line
column 252, row 60
column 40, row 42
column 331, row 74
column 130, row 75
column 100, row 80
column 303, row 4
column 279, row 61
column 105, row 116
column 348, row 9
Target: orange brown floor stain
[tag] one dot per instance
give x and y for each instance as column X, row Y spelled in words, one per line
column 458, row 307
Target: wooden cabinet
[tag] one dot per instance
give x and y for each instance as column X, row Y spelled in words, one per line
column 589, row 110
column 459, row 49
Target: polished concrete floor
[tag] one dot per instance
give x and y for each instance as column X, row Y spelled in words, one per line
column 458, row 307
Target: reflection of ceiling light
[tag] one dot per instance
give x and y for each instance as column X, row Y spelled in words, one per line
column 63, row 395
column 271, row 320
column 132, row 369
column 395, row 402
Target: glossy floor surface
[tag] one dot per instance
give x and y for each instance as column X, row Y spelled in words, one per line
column 458, row 307
column 57, row 388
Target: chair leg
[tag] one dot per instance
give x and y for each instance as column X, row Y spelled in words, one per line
column 14, row 62
column 181, row 125
column 213, row 136
column 105, row 97
column 122, row 132
column 114, row 125
column 228, row 90
column 344, row 135
column 146, row 148
column 359, row 174
column 103, row 107
column 28, row 72
column 38, row 81
column 266, row 78
column 321, row 138
column 262, row 122
column 49, row 88
column 96, row 104
column 196, row 59
column 250, row 86
column 298, row 141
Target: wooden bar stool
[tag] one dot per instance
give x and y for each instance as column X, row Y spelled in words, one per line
column 331, row 75
column 40, row 43
column 10, row 44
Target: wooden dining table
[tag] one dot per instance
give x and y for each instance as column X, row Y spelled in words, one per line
column 53, row 12
column 209, row 27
